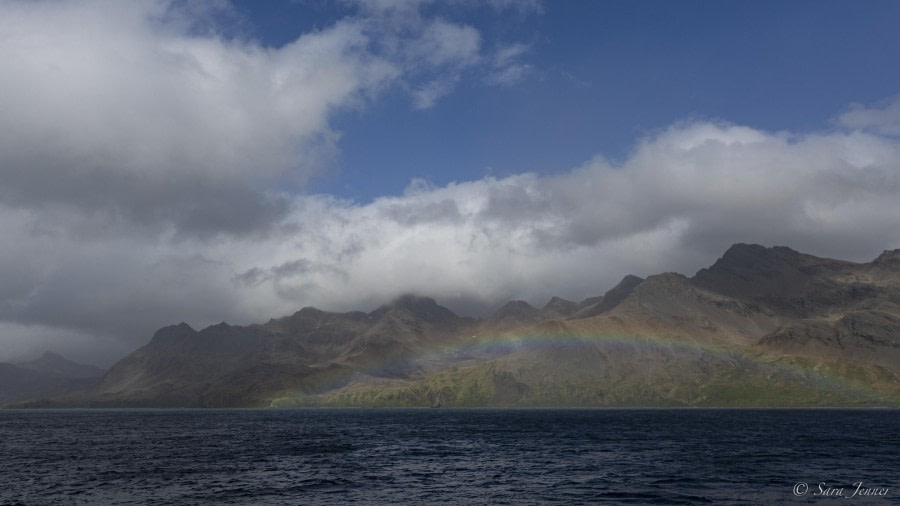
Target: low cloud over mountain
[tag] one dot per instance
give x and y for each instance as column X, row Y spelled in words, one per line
column 153, row 170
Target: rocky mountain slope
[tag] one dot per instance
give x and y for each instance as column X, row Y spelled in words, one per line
column 760, row 327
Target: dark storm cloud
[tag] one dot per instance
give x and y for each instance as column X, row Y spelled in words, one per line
column 119, row 203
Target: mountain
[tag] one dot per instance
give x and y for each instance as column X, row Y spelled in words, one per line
column 52, row 364
column 514, row 314
column 796, row 285
column 558, row 308
column 598, row 305
column 760, row 327
column 46, row 376
column 310, row 351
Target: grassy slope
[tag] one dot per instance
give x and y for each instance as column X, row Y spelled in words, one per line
column 643, row 373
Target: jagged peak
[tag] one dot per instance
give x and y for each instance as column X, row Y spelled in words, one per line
column 47, row 356
column 172, row 332
column 743, row 247
column 559, row 302
column 611, row 299
column 51, row 355
column 514, row 312
column 888, row 257
column 421, row 307
column 742, row 252
column 591, row 301
column 665, row 279
column 306, row 313
column 516, row 306
column 58, row 365
column 412, row 300
column 630, row 278
column 746, row 261
column 624, row 287
column 517, row 303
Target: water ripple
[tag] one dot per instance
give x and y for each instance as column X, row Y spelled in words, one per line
column 441, row 456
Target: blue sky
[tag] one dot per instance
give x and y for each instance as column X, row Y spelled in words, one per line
column 606, row 74
column 199, row 161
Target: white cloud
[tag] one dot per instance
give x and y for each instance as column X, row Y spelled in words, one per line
column 675, row 204
column 444, row 43
column 507, row 67
column 884, row 120
column 429, row 93
column 382, row 7
column 109, row 87
column 412, row 6
column 103, row 101
column 435, row 54
column 436, row 57
column 680, row 199
column 523, row 6
column 125, row 108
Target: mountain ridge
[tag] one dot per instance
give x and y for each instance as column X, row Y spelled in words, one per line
column 47, row 375
column 761, row 326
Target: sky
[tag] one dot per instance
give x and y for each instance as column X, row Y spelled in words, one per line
column 165, row 161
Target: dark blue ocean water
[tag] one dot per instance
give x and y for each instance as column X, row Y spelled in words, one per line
column 430, row 456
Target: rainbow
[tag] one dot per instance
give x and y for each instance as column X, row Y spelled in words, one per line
column 502, row 344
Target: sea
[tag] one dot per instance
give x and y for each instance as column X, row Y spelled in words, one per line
column 450, row 456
